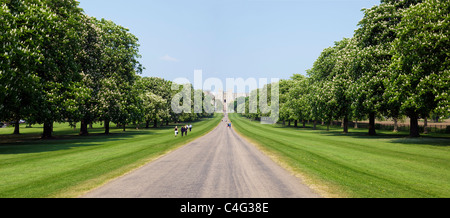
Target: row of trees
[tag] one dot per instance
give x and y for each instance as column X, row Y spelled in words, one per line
column 396, row 64
column 57, row 64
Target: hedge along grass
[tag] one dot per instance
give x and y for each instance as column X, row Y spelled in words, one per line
column 357, row 165
column 71, row 165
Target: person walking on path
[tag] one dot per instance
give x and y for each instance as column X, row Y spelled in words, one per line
column 182, row 130
column 176, row 131
column 186, row 129
column 190, row 127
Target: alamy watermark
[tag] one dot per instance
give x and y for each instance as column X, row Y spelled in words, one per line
column 222, row 99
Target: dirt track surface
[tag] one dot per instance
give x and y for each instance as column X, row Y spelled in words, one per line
column 219, row 165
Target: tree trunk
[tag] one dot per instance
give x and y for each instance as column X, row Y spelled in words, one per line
column 124, row 125
column 155, row 123
column 372, row 130
column 395, row 125
column 147, row 123
column 295, row 123
column 414, row 126
column 106, row 126
column 425, row 125
column 48, row 129
column 345, row 123
column 84, row 128
column 314, row 126
column 304, row 124
column 356, row 124
column 289, row 123
column 16, row 127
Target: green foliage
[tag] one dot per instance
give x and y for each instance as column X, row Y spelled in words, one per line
column 396, row 64
column 119, row 67
column 59, row 68
column 331, row 79
column 21, row 40
column 59, row 64
column 286, row 112
column 156, row 95
column 420, row 67
column 297, row 100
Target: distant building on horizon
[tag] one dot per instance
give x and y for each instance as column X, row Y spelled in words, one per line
column 225, row 97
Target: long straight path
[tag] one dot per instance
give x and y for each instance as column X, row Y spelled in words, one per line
column 221, row 164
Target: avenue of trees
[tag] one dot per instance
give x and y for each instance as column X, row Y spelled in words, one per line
column 396, row 65
column 58, row 64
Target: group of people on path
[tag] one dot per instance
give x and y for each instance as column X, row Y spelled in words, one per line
column 184, row 129
column 228, row 123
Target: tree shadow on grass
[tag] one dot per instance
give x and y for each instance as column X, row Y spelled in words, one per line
column 32, row 143
column 395, row 138
column 391, row 137
column 67, row 138
column 362, row 133
column 424, row 140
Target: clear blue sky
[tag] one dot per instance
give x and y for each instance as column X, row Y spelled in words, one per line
column 231, row 38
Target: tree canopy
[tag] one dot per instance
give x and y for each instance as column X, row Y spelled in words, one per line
column 396, row 64
column 60, row 65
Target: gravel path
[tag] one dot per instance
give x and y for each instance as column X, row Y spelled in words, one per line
column 221, row 164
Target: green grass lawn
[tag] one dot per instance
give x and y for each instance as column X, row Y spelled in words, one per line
column 70, row 165
column 390, row 165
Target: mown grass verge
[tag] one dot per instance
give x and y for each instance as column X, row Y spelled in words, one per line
column 357, row 165
column 71, row 165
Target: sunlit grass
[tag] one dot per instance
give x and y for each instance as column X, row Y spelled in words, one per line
column 70, row 165
column 390, row 165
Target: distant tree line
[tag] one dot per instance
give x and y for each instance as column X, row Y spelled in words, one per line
column 58, row 64
column 395, row 65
